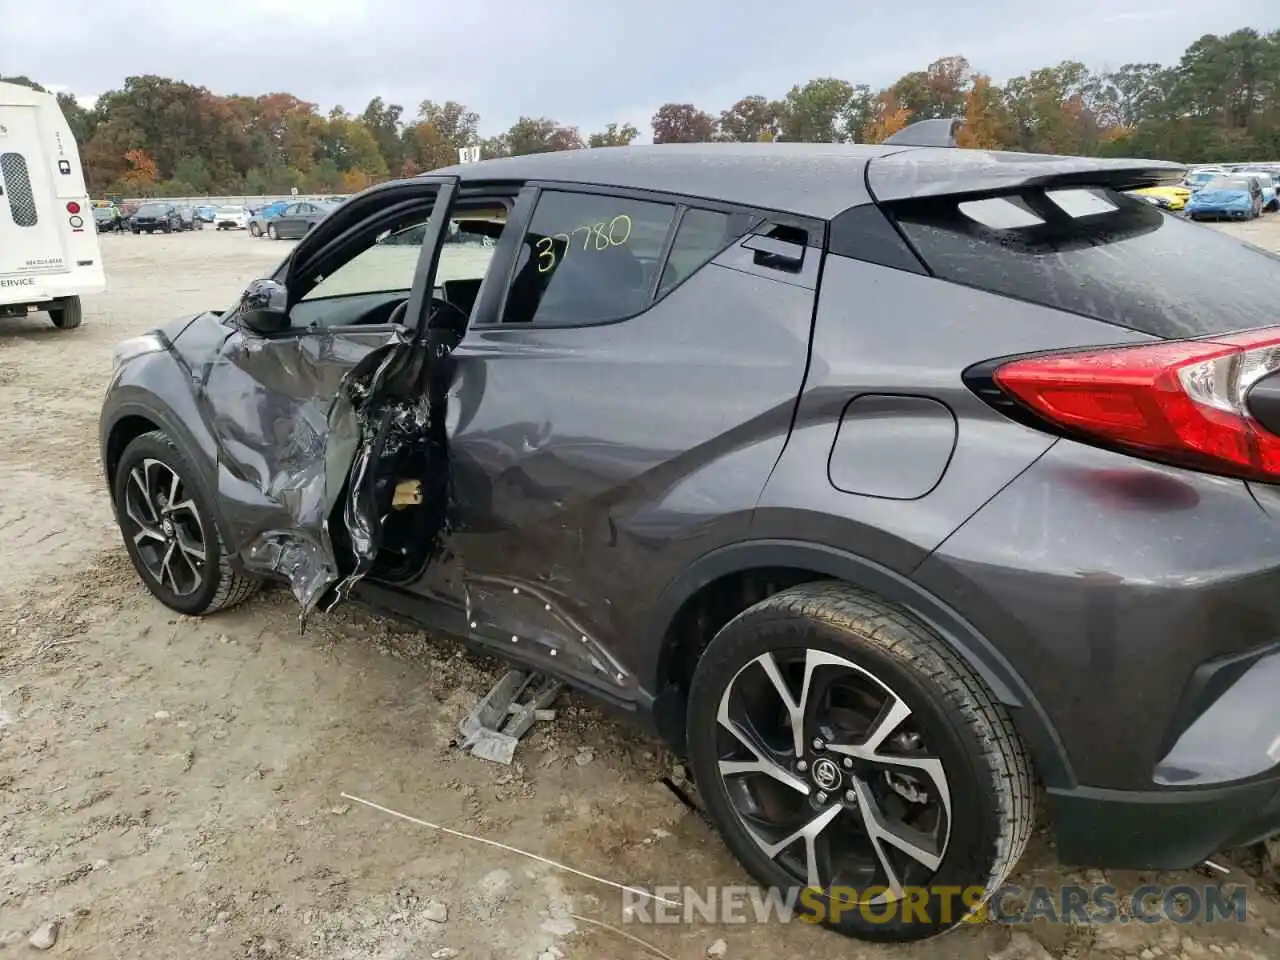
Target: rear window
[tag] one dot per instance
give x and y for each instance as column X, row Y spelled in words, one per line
column 1098, row 253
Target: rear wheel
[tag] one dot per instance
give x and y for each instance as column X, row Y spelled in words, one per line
column 839, row 745
column 271, row 231
column 67, row 314
column 171, row 532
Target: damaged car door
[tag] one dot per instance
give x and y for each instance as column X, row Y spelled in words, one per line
column 310, row 349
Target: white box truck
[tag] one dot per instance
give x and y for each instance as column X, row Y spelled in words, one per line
column 49, row 250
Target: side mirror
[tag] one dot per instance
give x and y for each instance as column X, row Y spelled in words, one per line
column 264, row 307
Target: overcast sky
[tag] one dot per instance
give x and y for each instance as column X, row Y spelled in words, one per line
column 581, row 62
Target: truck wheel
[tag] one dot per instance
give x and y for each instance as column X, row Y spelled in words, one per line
column 68, row 314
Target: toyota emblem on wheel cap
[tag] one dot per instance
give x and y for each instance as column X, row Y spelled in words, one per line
column 826, row 774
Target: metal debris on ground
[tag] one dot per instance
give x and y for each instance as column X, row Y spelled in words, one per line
column 492, row 730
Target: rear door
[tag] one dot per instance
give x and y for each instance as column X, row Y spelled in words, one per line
column 616, row 415
column 30, row 231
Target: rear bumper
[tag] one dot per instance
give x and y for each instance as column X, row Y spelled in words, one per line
column 1161, row 830
column 1140, row 606
column 85, row 280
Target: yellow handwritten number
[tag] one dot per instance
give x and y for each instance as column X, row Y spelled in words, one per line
column 546, row 254
column 617, row 224
column 613, row 233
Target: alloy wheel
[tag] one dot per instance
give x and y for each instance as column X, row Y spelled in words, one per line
column 165, row 527
column 830, row 775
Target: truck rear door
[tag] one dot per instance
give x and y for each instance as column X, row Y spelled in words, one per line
column 30, row 228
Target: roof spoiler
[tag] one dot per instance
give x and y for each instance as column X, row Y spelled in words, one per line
column 927, row 133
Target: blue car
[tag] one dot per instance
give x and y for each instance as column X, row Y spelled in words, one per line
column 1235, row 198
column 1270, row 184
column 258, row 222
column 206, row 213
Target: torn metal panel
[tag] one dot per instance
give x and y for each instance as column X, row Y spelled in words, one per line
column 295, row 418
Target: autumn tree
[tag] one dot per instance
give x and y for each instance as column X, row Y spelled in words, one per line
column 937, row 92
column 682, row 123
column 751, row 119
column 888, row 116
column 613, row 135
column 1050, row 112
column 142, row 173
column 987, row 125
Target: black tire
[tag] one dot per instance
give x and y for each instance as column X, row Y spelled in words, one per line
column 985, row 770
column 272, row 232
column 255, row 230
column 220, row 587
column 68, row 314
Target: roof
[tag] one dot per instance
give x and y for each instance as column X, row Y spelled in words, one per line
column 811, row 179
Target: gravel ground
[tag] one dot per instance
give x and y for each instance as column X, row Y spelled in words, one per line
column 171, row 787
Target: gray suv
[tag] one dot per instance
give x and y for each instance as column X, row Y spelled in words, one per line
column 886, row 484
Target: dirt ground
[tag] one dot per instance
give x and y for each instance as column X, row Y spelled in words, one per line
column 172, row 787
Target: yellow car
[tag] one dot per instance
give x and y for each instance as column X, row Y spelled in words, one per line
column 1177, row 196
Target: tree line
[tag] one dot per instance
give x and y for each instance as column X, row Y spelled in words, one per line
column 162, row 137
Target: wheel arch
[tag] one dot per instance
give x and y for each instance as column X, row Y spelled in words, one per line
column 143, row 412
column 722, row 583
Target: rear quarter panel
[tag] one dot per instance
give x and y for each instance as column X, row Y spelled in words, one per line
column 898, row 337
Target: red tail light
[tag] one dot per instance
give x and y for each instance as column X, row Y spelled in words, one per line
column 73, row 207
column 1180, row 402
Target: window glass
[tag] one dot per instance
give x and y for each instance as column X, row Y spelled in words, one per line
column 1111, row 257
column 587, row 258
column 389, row 264
column 702, row 234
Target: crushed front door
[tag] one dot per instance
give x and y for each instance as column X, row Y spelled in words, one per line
column 300, row 416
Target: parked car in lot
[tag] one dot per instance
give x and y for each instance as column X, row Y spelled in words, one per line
column 1267, row 182
column 231, row 218
column 876, row 480
column 1231, row 196
column 258, row 221
column 298, row 219
column 108, row 219
column 156, row 216
column 1175, row 197
column 190, row 219
column 206, row 212
column 1197, row 178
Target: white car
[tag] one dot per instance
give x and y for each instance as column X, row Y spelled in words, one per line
column 231, row 218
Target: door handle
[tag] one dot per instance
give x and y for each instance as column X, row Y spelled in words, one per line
column 779, row 254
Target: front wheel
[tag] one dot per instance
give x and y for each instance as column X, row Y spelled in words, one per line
column 67, row 314
column 255, row 230
column 841, row 746
column 171, row 532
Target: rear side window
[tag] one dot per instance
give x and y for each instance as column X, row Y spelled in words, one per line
column 17, row 183
column 701, row 235
column 587, row 258
column 1101, row 254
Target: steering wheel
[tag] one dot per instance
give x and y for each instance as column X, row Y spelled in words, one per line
column 441, row 314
